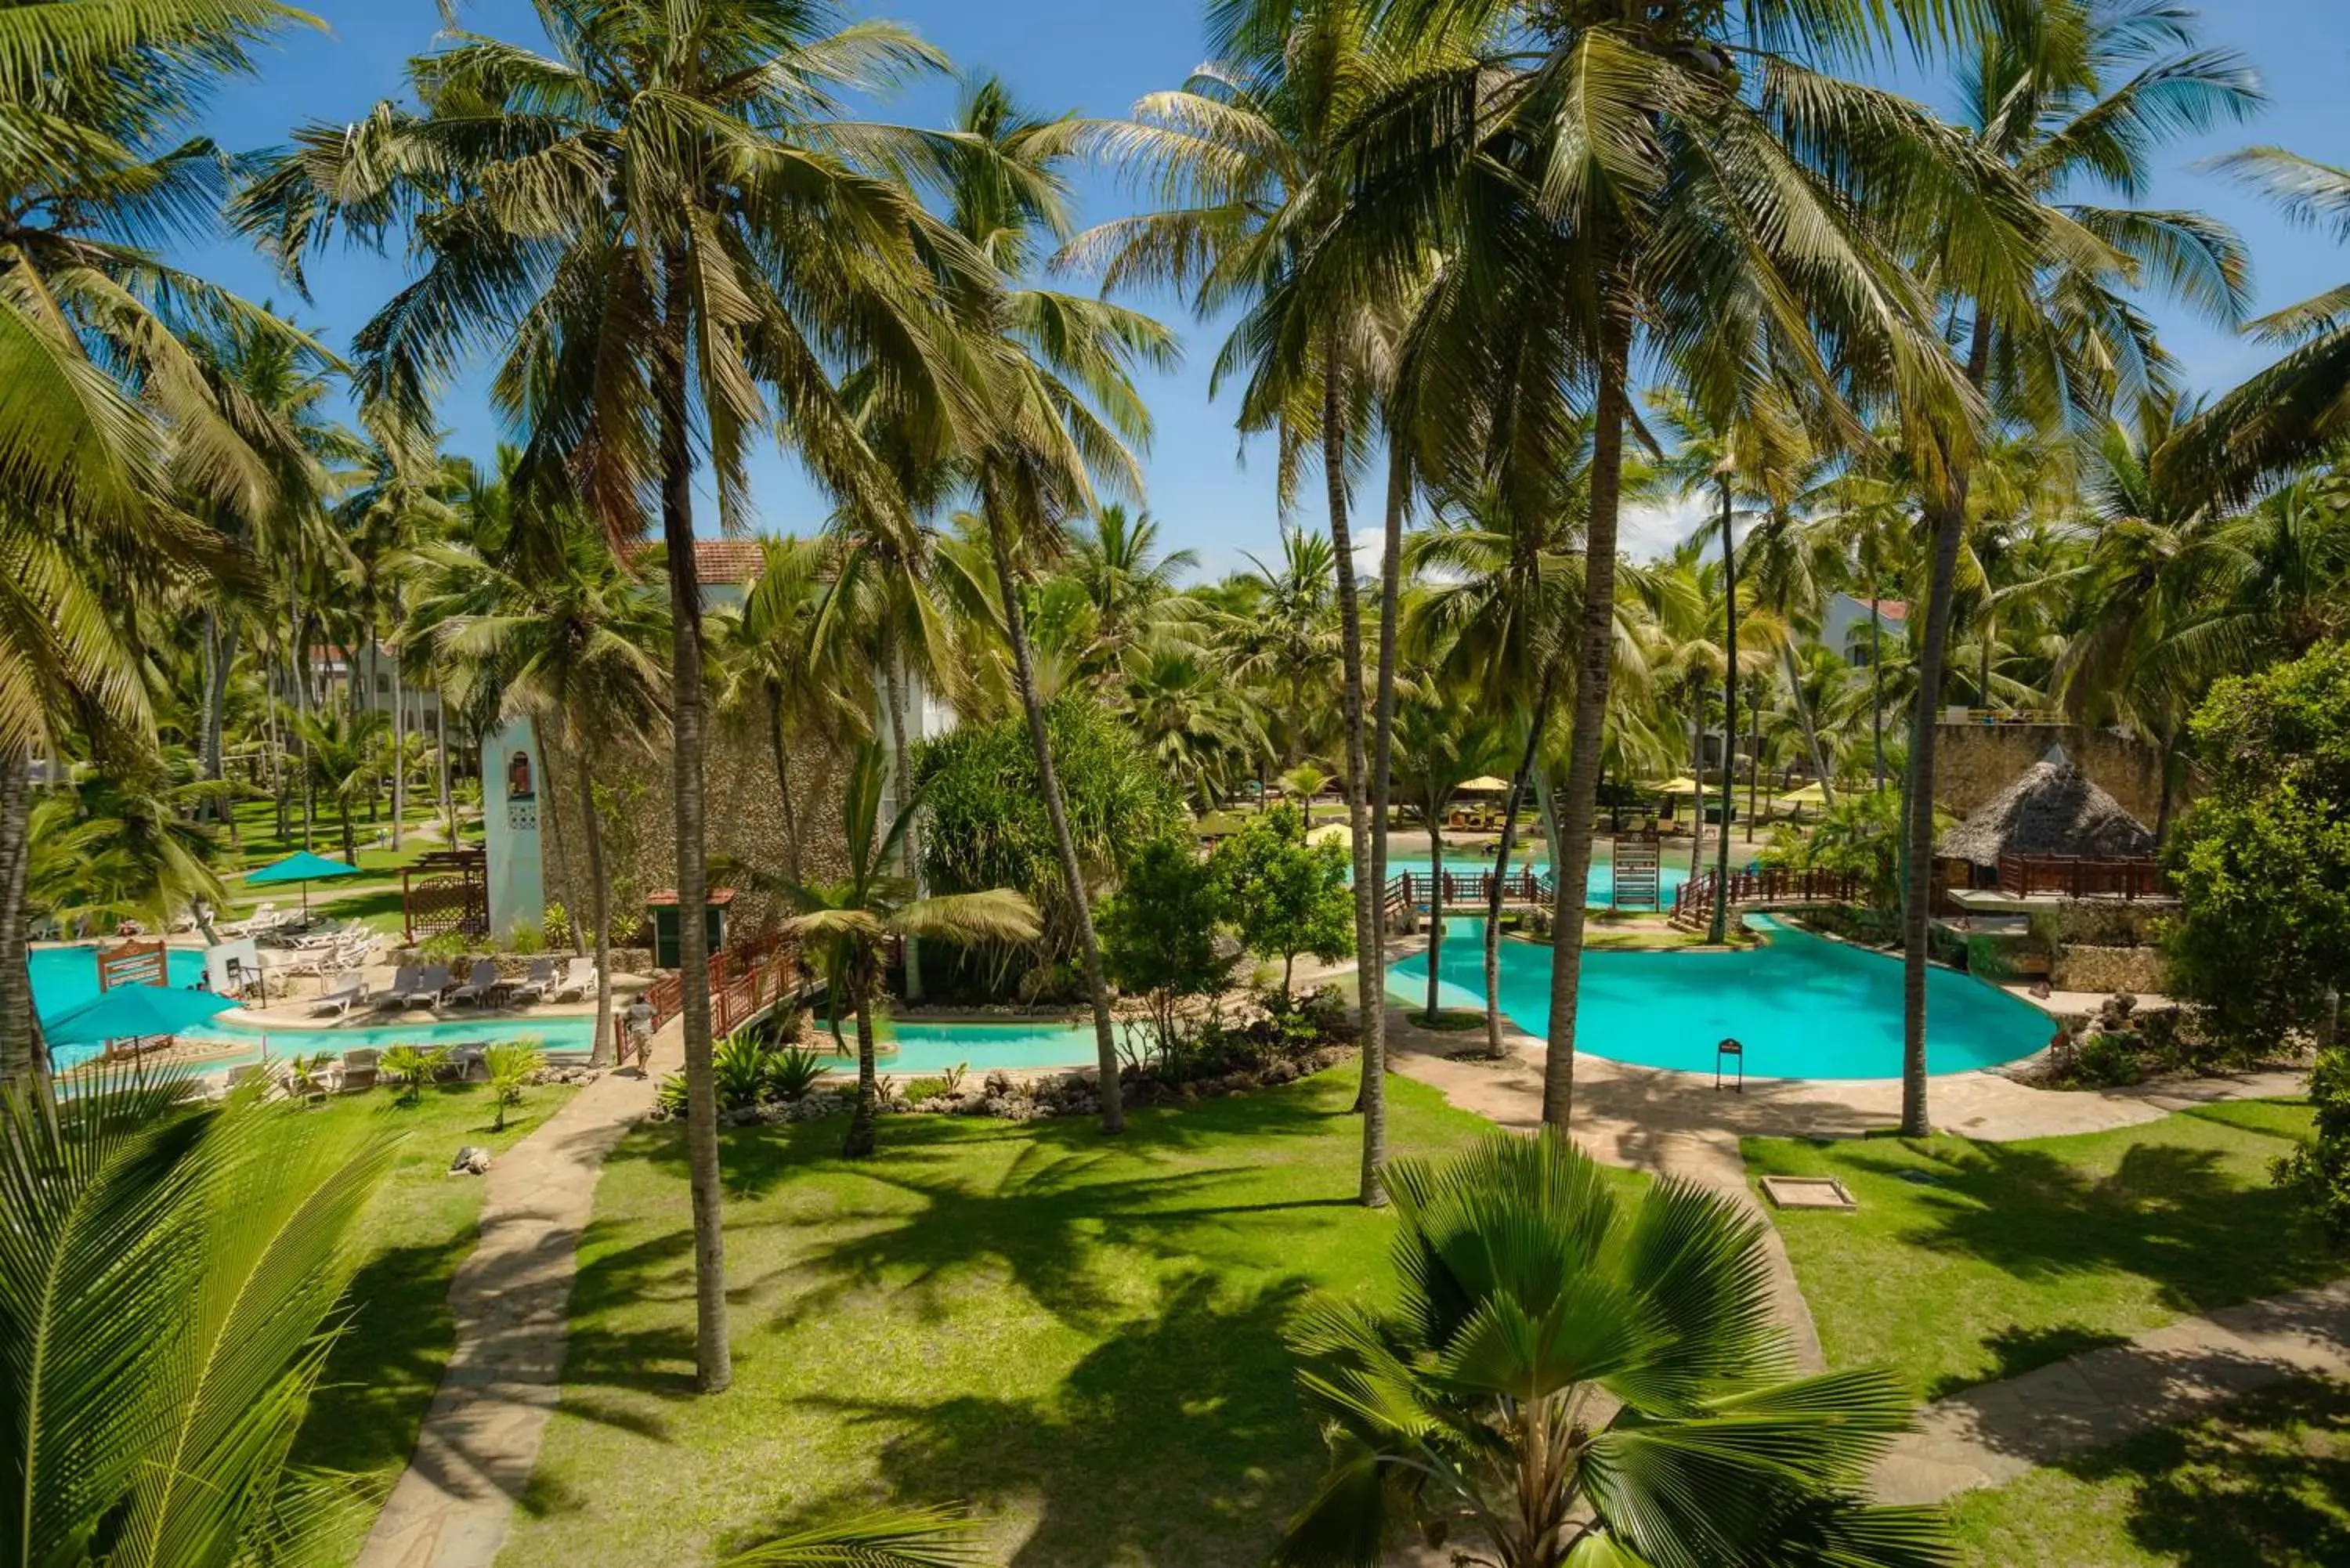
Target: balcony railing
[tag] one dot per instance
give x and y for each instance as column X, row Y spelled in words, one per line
column 2081, row 876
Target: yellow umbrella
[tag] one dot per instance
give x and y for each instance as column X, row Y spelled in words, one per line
column 1682, row 786
column 1488, row 784
column 1331, row 833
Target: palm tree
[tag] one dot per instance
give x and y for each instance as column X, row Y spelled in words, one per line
column 1443, row 738
column 122, row 840
column 1619, row 180
column 675, row 233
column 849, row 924
column 2046, row 338
column 1579, row 1377
column 1055, row 372
column 566, row 637
column 1287, row 637
column 174, row 1277
column 1118, row 561
column 105, row 410
column 341, row 751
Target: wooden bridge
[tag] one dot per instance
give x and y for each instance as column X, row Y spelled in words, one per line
column 1423, row 892
column 746, row 980
column 1768, row 887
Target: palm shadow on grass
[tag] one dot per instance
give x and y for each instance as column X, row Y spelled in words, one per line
column 1179, row 1439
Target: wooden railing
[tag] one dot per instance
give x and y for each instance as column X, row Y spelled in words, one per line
column 2081, row 876
column 1462, row 889
column 745, row 980
column 1693, row 903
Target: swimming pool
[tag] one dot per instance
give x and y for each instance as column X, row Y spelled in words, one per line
column 929, row 1048
column 64, row 978
column 1802, row 1006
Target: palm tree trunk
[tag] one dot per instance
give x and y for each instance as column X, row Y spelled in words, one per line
column 858, row 1143
column 1586, row 746
column 399, row 753
column 1754, row 773
column 713, row 1354
column 900, row 789
column 1435, row 904
column 783, row 784
column 1370, row 1006
column 2162, row 807
column 599, row 1051
column 1383, row 732
column 448, row 796
column 1877, row 681
column 19, row 1046
column 1536, row 723
column 1716, row 932
column 1073, row 877
column 1697, row 754
column 1811, row 726
column 1917, row 825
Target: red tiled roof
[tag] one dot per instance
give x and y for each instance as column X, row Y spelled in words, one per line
column 1889, row 609
column 717, row 560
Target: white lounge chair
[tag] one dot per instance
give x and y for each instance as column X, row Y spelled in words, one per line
column 478, row 985
column 427, row 990
column 262, row 919
column 533, row 986
column 579, row 981
column 339, row 997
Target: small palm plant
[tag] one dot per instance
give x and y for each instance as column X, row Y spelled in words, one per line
column 1573, row 1377
column 511, row 1065
column 846, row 926
column 169, row 1288
column 410, row 1066
column 902, row 1538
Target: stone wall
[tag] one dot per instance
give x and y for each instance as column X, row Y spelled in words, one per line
column 1973, row 762
column 2135, row 970
column 743, row 821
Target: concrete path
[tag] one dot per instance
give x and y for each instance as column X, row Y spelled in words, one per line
column 1993, row 1434
column 452, row 1507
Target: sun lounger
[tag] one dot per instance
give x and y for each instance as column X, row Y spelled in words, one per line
column 479, row 984
column 358, row 1070
column 405, row 978
column 338, row 997
column 533, row 986
column 426, row 988
column 253, row 924
column 579, row 981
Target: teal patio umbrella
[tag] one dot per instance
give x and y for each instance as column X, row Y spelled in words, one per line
column 129, row 1011
column 303, row 867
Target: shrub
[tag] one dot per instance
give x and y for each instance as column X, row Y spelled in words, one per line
column 408, row 1066
column 557, row 926
column 525, row 938
column 671, row 1096
column 2108, row 1058
column 447, row 946
column 739, row 1069
column 1285, row 895
column 2318, row 1171
column 512, row 1063
column 791, row 1071
column 1159, row 936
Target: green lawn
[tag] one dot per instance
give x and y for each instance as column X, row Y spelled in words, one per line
column 1079, row 1336
column 1969, row 1262
column 381, row 1373
column 2265, row 1480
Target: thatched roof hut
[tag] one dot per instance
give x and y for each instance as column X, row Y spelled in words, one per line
column 2052, row 808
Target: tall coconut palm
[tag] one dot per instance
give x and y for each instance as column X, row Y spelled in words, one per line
column 1288, row 637
column 1443, row 738
column 105, row 410
column 847, row 925
column 1680, row 161
column 1117, row 559
column 672, row 235
column 1572, row 1377
column 567, row 637
column 2068, row 99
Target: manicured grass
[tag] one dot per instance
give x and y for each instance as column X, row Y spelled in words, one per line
column 1449, row 1020
column 1968, row 1261
column 381, row 1373
column 1080, row 1337
column 2264, row 1480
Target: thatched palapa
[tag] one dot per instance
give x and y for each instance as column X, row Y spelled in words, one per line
column 2052, row 808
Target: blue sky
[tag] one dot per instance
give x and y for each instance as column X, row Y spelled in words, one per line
column 1096, row 56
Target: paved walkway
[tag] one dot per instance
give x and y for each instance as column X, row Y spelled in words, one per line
column 1991, row 1435
column 474, row 1456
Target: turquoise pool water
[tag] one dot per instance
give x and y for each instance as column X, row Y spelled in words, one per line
column 927, row 1048
column 1802, row 1006
column 64, row 978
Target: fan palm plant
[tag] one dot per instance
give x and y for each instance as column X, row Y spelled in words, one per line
column 847, row 925
column 1568, row 1376
column 167, row 1297
column 673, row 234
